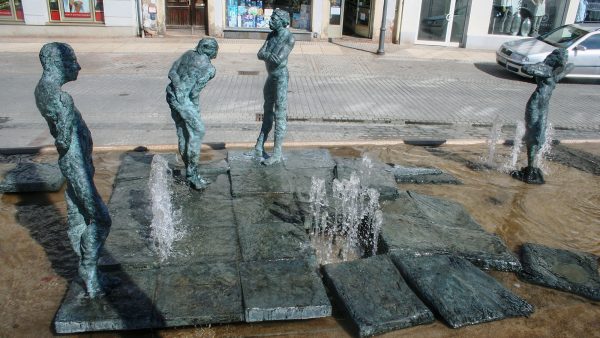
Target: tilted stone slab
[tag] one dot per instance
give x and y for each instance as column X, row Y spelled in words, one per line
column 128, row 305
column 570, row 271
column 199, row 294
column 267, row 209
column 282, row 290
column 31, row 177
column 308, row 159
column 137, row 165
column 458, row 291
column 418, row 225
column 422, row 175
column 372, row 173
column 375, row 296
column 274, row 241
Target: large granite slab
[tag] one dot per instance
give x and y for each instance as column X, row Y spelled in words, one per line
column 31, row 177
column 570, row 271
column 418, row 225
column 127, row 306
column 459, row 292
column 421, row 175
column 274, row 241
column 372, row 173
column 375, row 296
column 199, row 294
column 267, row 209
column 282, row 290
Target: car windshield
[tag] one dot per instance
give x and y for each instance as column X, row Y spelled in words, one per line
column 563, row 37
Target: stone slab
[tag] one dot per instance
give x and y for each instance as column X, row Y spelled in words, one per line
column 375, row 296
column 421, row 175
column 308, row 159
column 274, row 241
column 199, row 294
column 32, row 177
column 205, row 244
column 282, row 290
column 576, row 158
column 136, row 165
column 570, row 271
column 459, row 292
column 418, row 225
column 127, row 306
column 267, row 209
column 372, row 173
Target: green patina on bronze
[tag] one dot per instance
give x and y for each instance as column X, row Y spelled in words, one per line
column 188, row 75
column 274, row 53
column 88, row 219
column 546, row 74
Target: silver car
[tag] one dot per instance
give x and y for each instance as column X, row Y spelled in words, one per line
column 582, row 41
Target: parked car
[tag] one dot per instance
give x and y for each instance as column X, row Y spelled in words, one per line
column 582, row 41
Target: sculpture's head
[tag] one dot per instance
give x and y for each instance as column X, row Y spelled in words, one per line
column 60, row 58
column 558, row 58
column 279, row 19
column 208, row 47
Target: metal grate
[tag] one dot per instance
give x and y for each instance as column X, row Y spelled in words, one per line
column 248, row 72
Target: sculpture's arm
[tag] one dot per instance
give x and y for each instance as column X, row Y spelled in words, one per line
column 262, row 53
column 284, row 51
column 563, row 71
column 64, row 123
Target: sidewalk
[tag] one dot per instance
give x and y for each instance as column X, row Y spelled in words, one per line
column 339, row 91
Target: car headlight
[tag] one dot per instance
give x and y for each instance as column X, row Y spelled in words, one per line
column 519, row 57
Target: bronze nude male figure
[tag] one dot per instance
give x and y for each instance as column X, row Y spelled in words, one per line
column 87, row 216
column 547, row 74
column 274, row 53
column 189, row 75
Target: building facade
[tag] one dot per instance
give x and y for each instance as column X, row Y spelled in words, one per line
column 482, row 24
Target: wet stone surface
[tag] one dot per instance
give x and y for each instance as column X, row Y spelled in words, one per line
column 459, row 292
column 283, row 290
column 570, row 271
column 417, row 225
column 372, row 173
column 273, row 241
column 375, row 296
column 31, row 177
column 575, row 158
column 420, row 175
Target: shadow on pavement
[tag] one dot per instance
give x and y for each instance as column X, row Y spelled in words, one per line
column 495, row 70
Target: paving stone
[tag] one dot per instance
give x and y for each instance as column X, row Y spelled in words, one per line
column 267, row 209
column 31, row 177
column 136, row 165
column 576, row 158
column 199, row 294
column 127, row 306
column 375, row 295
column 570, row 271
column 130, row 205
column 308, row 159
column 205, row 244
column 274, row 241
column 372, row 173
column 422, row 175
column 417, row 225
column 458, row 291
column 282, row 290
column 250, row 177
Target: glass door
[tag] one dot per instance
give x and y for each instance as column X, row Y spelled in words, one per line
column 442, row 22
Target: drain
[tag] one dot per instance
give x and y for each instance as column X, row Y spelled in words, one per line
column 248, row 72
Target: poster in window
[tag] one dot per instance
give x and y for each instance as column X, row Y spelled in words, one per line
column 5, row 9
column 79, row 9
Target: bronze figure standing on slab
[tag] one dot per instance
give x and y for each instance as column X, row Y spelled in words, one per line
column 274, row 53
column 189, row 75
column 87, row 216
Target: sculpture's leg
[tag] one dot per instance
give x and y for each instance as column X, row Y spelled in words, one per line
column 92, row 241
column 280, row 121
column 267, row 123
column 75, row 221
column 195, row 134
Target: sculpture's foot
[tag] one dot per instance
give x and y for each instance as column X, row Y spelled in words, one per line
column 198, row 182
column 93, row 282
column 274, row 159
column 260, row 153
column 529, row 175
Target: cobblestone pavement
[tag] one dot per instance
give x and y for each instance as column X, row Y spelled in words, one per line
column 338, row 91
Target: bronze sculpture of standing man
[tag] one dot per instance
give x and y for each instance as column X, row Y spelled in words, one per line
column 188, row 75
column 274, row 53
column 87, row 216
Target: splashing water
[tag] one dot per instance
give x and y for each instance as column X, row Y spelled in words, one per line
column 516, row 148
column 492, row 141
column 164, row 219
column 545, row 150
column 352, row 228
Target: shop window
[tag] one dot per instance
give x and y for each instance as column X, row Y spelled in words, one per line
column 526, row 17
column 76, row 10
column 588, row 11
column 256, row 14
column 11, row 10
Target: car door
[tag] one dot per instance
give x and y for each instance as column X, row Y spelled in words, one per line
column 586, row 57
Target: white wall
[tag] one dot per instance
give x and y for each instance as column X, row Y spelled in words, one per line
column 120, row 13
column 410, row 22
column 35, row 12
